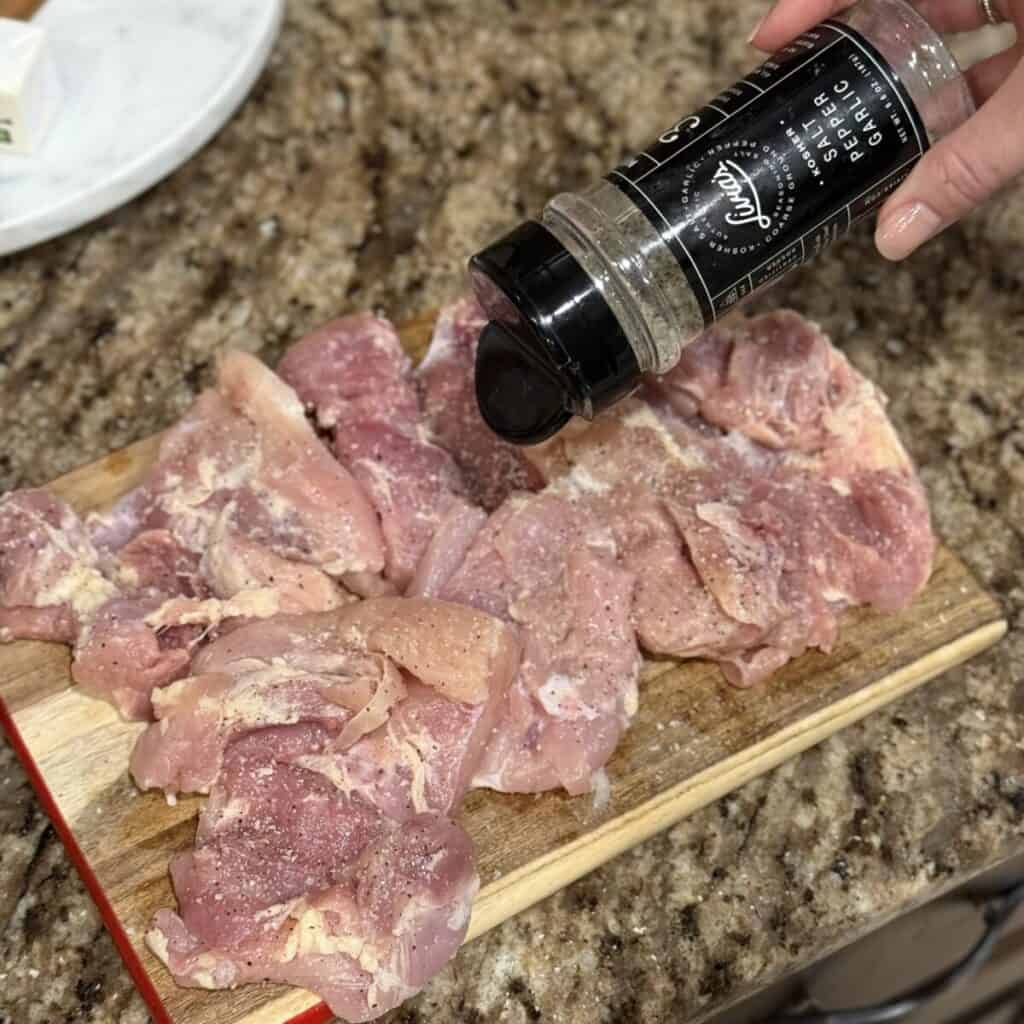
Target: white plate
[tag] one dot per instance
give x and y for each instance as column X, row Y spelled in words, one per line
column 146, row 83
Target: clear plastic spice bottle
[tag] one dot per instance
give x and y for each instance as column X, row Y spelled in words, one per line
column 615, row 281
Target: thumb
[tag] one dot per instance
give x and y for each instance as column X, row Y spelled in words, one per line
column 957, row 174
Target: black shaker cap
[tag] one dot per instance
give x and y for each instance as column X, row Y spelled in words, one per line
column 553, row 347
column 520, row 398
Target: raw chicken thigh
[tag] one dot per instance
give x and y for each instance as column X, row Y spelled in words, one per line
column 54, row 586
column 776, row 494
column 354, row 376
column 244, row 482
column 316, row 893
column 339, row 744
column 546, row 564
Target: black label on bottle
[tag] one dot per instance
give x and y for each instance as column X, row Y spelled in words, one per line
column 778, row 166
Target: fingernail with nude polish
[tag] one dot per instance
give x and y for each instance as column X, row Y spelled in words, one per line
column 902, row 231
column 757, row 28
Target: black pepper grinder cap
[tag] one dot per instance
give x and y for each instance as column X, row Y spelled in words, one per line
column 553, row 347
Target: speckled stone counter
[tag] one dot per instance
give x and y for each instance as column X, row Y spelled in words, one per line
column 383, row 144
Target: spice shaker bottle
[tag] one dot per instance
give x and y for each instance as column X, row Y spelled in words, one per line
column 615, row 281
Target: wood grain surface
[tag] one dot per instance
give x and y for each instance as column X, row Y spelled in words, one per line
column 693, row 740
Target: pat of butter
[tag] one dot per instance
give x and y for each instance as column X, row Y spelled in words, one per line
column 30, row 90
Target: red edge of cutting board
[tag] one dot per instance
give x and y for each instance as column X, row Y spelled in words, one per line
column 319, row 1014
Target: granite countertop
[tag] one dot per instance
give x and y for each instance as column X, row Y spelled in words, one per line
column 384, row 143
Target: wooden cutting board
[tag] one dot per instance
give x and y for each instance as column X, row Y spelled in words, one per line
column 693, row 740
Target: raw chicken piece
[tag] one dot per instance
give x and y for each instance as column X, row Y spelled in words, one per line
column 53, row 587
column 492, row 469
column 351, row 370
column 50, row 581
column 197, row 718
column 339, row 670
column 446, row 551
column 771, row 512
column 297, row 485
column 355, row 377
column 243, row 482
column 323, row 862
column 779, row 381
column 299, row 883
column 672, row 609
column 411, row 897
column 675, row 608
column 456, row 650
column 422, row 760
column 233, row 564
column 154, row 562
column 549, row 564
column 120, row 658
column 774, row 378
column 271, row 832
column 828, row 425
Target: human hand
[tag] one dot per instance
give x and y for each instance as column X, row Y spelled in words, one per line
column 962, row 170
